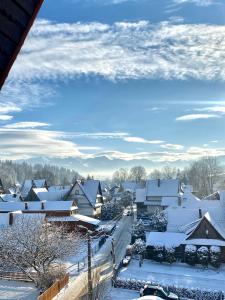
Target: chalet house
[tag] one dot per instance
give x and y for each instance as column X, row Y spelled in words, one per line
column 31, row 183
column 203, row 232
column 88, row 197
column 158, row 194
column 10, row 197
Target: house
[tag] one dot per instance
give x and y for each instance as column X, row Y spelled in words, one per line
column 203, row 232
column 10, row 197
column 28, row 184
column 157, row 195
column 75, row 221
column 131, row 187
column 43, row 194
column 88, row 196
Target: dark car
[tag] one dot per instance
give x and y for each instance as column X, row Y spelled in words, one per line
column 155, row 290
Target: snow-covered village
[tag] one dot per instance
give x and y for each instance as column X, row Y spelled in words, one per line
column 112, row 150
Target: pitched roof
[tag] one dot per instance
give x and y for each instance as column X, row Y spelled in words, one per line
column 16, row 19
column 37, row 206
column 75, row 218
column 10, row 197
column 140, row 195
column 130, row 186
column 162, row 187
column 214, row 224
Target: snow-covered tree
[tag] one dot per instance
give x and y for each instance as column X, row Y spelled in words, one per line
column 158, row 221
column 203, row 255
column 138, row 231
column 158, row 253
column 139, row 246
column 37, row 248
column 190, row 254
column 215, row 256
column 170, row 255
column 110, row 210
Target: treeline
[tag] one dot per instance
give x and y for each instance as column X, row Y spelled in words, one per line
column 12, row 173
column 205, row 175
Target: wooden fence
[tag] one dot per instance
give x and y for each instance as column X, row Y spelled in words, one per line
column 54, row 289
column 15, row 276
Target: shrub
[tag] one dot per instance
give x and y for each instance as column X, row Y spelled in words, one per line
column 203, row 255
column 190, row 254
column 170, row 255
column 215, row 256
column 158, row 253
column 139, row 246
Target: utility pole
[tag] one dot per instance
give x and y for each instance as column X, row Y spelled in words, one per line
column 90, row 291
column 114, row 261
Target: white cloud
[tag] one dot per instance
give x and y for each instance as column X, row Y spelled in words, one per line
column 192, row 117
column 26, row 125
column 214, row 109
column 122, row 51
column 196, row 2
column 5, row 117
column 133, row 139
column 157, row 108
column 215, row 141
column 99, row 135
column 172, row 146
column 26, row 143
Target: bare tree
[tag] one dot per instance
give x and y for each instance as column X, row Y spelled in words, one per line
column 120, row 176
column 169, row 172
column 37, row 248
column 155, row 174
column 203, row 174
column 138, row 173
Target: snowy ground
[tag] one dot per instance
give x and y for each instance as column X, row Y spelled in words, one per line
column 178, row 274
column 17, row 290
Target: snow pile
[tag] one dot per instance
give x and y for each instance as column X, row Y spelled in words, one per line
column 190, row 254
column 190, row 293
column 215, row 256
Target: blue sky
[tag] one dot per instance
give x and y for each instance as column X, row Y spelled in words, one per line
column 125, row 79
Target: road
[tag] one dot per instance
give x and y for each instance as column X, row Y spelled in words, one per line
column 101, row 262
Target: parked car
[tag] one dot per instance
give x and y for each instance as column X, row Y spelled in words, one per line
column 126, row 260
column 155, row 290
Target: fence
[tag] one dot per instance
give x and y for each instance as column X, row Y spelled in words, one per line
column 54, row 289
column 15, row 276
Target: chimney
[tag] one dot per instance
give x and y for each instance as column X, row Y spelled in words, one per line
column 82, row 181
column 42, row 205
column 10, row 218
column 158, row 182
column 26, row 205
column 200, row 213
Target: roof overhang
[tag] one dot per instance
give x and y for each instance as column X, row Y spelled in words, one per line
column 16, row 19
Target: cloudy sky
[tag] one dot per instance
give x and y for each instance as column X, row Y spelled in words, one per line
column 125, row 79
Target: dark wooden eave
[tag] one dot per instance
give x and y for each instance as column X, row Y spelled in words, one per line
column 16, row 19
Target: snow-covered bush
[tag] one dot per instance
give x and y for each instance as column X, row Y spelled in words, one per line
column 215, row 256
column 190, row 254
column 189, row 293
column 158, row 253
column 138, row 232
column 139, row 246
column 170, row 255
column 129, row 250
column 110, row 210
column 158, row 221
column 203, row 255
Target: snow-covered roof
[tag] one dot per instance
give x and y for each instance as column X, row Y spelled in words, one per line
column 140, row 195
column 204, row 242
column 211, row 220
column 47, row 195
column 75, row 218
column 179, row 216
column 130, row 186
column 39, row 183
column 169, row 201
column 40, row 190
column 163, row 187
column 55, row 188
column 166, row 239
column 37, row 206
column 10, row 197
column 29, row 183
